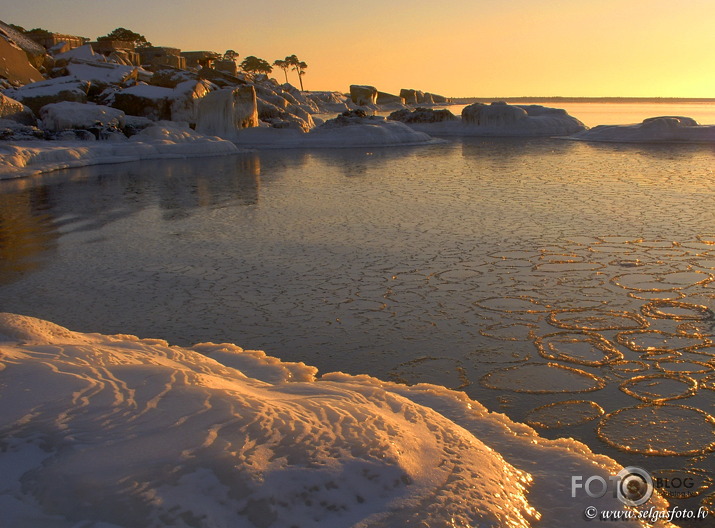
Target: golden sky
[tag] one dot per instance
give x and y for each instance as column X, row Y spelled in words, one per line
column 457, row 48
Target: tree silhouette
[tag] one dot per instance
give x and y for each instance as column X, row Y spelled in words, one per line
column 121, row 33
column 283, row 65
column 256, row 65
column 230, row 55
column 298, row 66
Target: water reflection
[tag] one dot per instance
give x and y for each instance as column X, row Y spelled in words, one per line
column 27, row 232
column 35, row 212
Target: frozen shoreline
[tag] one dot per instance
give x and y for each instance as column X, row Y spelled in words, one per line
column 120, row 431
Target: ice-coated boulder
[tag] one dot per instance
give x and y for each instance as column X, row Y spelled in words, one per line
column 422, row 115
column 501, row 119
column 663, row 129
column 67, row 115
column 15, row 111
column 495, row 115
column 36, row 95
column 185, row 98
column 224, row 112
column 363, row 95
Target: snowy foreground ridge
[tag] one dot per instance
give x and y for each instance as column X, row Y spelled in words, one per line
column 108, row 431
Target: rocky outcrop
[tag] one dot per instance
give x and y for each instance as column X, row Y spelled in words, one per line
column 384, row 98
column 439, row 99
column 36, row 95
column 363, row 95
column 422, row 115
column 410, row 96
column 15, row 111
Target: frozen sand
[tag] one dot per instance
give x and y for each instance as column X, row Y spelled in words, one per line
column 106, row 431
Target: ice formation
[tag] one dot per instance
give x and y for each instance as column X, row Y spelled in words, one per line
column 117, row 431
column 165, row 140
column 224, row 112
column 664, row 129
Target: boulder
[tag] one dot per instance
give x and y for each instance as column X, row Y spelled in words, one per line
column 15, row 111
column 34, row 53
column 409, row 95
column 15, row 66
column 424, row 98
column 68, row 115
column 498, row 114
column 36, row 95
column 439, row 99
column 224, row 112
column 153, row 102
column 422, row 115
column 169, row 78
column 384, row 98
column 363, row 95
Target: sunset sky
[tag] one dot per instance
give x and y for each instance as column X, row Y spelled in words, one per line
column 457, row 48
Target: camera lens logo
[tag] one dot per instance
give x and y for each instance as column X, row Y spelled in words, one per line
column 635, row 486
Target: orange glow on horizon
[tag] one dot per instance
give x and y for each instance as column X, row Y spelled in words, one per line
column 626, row 48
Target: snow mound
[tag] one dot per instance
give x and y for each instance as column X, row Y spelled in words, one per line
column 121, row 431
column 664, row 129
column 165, row 140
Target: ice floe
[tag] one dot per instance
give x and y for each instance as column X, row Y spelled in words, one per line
column 120, row 431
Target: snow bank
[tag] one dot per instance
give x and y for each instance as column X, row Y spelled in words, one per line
column 665, row 129
column 120, row 431
column 166, row 140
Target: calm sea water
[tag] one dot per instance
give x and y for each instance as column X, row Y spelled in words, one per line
column 569, row 285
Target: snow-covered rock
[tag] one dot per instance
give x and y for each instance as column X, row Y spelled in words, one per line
column 224, row 112
column 501, row 119
column 105, row 72
column 110, row 431
column 38, row 94
column 15, row 111
column 144, row 100
column 68, row 115
column 81, row 52
column 664, row 129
